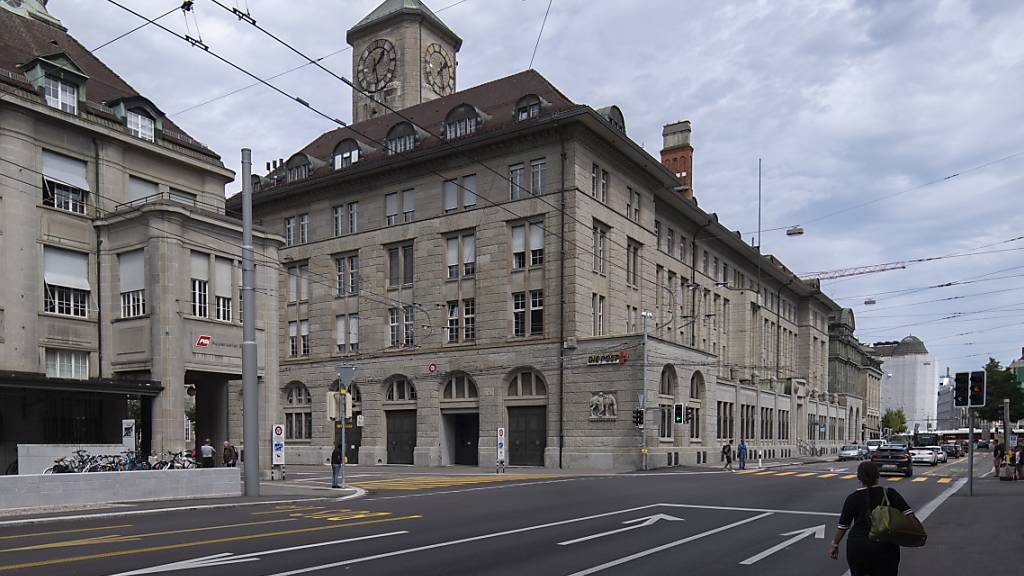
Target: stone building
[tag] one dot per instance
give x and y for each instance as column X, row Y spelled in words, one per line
column 855, row 376
column 122, row 261
column 493, row 257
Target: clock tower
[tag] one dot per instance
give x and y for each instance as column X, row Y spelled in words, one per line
column 402, row 55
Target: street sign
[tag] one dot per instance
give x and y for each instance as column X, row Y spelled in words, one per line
column 501, row 444
column 128, row 434
column 359, row 420
column 203, row 341
column 277, row 446
column 821, row 427
column 346, row 374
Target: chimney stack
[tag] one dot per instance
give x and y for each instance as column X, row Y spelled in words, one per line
column 677, row 154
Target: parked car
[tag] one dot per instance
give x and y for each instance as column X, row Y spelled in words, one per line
column 951, row 450
column 852, row 452
column 893, row 458
column 940, row 454
column 922, row 455
column 982, row 445
column 874, row 444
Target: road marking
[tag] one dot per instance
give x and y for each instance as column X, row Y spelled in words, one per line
column 894, row 478
column 738, row 509
column 657, row 549
column 76, row 530
column 285, row 509
column 920, row 479
column 817, row 531
column 636, row 523
column 764, row 473
column 930, row 507
column 827, row 475
column 785, row 473
column 479, row 488
column 944, row 480
column 230, row 558
column 196, row 543
column 805, row 474
column 849, row 477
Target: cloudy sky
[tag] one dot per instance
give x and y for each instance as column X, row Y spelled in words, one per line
column 891, row 131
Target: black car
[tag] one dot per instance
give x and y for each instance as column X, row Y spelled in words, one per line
column 894, row 458
column 951, row 450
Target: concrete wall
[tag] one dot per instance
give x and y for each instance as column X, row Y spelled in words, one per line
column 98, row 487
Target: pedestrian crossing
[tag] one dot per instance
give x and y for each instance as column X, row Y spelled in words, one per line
column 425, row 482
column 841, row 476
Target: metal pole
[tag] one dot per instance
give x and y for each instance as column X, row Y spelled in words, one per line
column 250, row 387
column 970, row 452
column 344, row 422
column 643, row 395
column 1006, row 433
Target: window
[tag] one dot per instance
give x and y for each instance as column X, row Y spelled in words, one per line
column 223, row 288
column 714, row 269
column 293, row 338
column 408, row 205
column 400, row 265
column 353, row 217
column 528, row 107
column 140, row 126
column 303, row 228
column 453, row 321
column 298, row 283
column 632, row 263
column 705, row 265
column 459, row 388
column 223, row 308
column 298, row 412
column 461, row 255
column 519, row 246
column 62, row 95
column 469, row 191
column 401, row 329
column 353, row 274
column 725, row 273
column 65, row 185
column 665, row 421
column 657, row 234
column 536, row 244
column 410, row 329
column 346, row 154
column 289, row 231
column 595, row 172
column 67, row 301
column 469, row 319
column 200, row 264
column 461, row 121
column 536, row 312
column 600, row 243
column 670, row 242
column 391, row 208
column 682, row 247
column 67, row 364
column 181, row 196
column 339, row 219
column 667, row 386
column 597, row 310
column 604, row 187
column 519, row 314
column 303, row 337
column 132, row 278
column 298, row 168
column 515, row 182
column 401, row 138
column 632, row 204
column 450, row 189
column 347, row 326
column 393, row 327
column 527, row 383
column 538, row 170
column 400, row 390
column 341, row 276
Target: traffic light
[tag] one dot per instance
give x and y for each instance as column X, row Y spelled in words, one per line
column 977, row 392
column 678, row 413
column 638, row 417
column 961, row 389
column 334, row 405
column 690, row 412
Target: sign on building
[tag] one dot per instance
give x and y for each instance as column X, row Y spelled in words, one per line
column 619, row 357
column 128, row 434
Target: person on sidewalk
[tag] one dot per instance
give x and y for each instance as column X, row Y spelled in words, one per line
column 1019, row 463
column 208, row 453
column 727, row 456
column 335, row 466
column 997, row 458
column 864, row 556
column 230, row 455
column 741, row 453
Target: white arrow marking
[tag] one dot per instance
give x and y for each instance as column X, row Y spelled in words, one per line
column 636, row 523
column 797, row 535
column 229, row 558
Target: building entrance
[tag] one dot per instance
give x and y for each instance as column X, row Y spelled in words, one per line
column 353, row 440
column 527, row 435
column 401, row 426
column 462, row 434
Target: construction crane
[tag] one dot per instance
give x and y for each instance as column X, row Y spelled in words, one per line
column 858, row 271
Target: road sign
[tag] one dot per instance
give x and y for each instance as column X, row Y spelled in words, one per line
column 346, row 374
column 501, row 444
column 128, row 434
column 359, row 420
column 277, row 447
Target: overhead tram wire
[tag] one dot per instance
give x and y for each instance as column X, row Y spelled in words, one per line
column 540, row 34
column 186, row 5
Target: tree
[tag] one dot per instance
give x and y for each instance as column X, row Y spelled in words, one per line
column 1002, row 383
column 896, row 420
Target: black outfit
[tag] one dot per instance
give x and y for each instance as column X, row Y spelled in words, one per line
column 867, row 558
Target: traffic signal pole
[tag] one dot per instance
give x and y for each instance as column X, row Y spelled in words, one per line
column 970, row 452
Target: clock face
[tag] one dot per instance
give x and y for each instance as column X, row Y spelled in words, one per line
column 439, row 70
column 377, row 65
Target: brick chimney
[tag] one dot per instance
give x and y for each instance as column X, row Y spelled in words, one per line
column 677, row 154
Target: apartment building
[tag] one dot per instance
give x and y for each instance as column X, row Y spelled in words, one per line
column 494, row 257
column 122, row 264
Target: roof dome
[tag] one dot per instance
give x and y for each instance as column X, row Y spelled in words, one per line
column 910, row 345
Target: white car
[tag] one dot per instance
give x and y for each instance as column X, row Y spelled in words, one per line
column 924, row 456
column 851, row 452
column 939, row 453
column 874, row 444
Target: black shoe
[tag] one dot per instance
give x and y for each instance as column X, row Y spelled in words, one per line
column 335, row 486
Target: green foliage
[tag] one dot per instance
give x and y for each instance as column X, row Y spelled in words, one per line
column 896, row 420
column 1002, row 383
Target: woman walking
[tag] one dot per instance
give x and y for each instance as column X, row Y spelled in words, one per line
column 864, row 556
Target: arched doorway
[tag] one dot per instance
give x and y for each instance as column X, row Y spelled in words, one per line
column 526, row 400
column 460, row 421
column 400, row 414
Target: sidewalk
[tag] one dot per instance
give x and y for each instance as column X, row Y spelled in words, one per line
column 978, row 534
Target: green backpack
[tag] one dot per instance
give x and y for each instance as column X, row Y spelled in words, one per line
column 889, row 524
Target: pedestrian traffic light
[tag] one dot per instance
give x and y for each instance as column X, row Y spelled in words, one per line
column 961, row 389
column 977, row 392
column 638, row 417
column 678, row 413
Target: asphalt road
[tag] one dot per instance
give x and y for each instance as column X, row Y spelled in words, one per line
column 776, row 522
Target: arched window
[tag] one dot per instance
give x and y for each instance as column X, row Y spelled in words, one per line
column 697, row 386
column 346, row 153
column 401, row 138
column 668, row 381
column 298, row 412
column 400, row 390
column 527, row 383
column 459, row 388
column 528, row 107
column 297, row 168
column 463, row 120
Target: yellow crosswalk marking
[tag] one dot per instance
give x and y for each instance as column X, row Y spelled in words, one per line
column 785, row 473
column 920, row 479
column 427, row 482
column 805, row 474
column 827, row 475
column 764, row 473
column 944, row 480
column 849, row 477
column 895, row 478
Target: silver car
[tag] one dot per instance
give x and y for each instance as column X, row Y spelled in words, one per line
column 852, row 452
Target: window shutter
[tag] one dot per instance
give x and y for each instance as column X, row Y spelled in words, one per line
column 65, row 170
column 469, row 248
column 453, row 251
column 291, row 329
column 353, row 329
column 408, row 200
column 139, row 188
column 304, row 327
column 536, row 236
column 65, row 268
column 223, row 268
column 339, row 329
column 132, row 270
column 518, row 238
column 200, row 266
column 451, row 195
column 469, row 190
column 391, row 204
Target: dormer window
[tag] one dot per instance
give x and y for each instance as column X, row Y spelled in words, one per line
column 401, row 138
column 298, row 168
column 346, row 154
column 140, row 125
column 528, row 107
column 62, row 95
column 463, row 120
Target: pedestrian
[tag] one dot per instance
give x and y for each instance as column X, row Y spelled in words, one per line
column 727, row 456
column 335, row 466
column 997, row 458
column 208, row 453
column 230, row 455
column 741, row 453
column 865, row 556
column 1019, row 472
